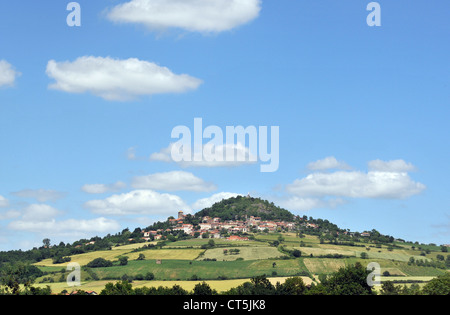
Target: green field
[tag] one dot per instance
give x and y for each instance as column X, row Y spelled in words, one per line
column 208, row 270
column 245, row 253
column 183, row 261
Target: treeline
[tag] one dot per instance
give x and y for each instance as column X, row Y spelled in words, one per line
column 351, row 280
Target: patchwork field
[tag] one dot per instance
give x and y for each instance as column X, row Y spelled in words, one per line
column 209, row 270
column 187, row 262
column 245, row 253
column 84, row 259
column 114, row 255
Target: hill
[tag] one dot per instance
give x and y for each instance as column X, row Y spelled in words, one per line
column 238, row 208
column 306, row 247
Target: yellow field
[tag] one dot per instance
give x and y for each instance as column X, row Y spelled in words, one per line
column 84, row 259
column 219, row 285
column 132, row 246
column 113, row 255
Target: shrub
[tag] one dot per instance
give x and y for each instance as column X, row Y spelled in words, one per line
column 99, row 262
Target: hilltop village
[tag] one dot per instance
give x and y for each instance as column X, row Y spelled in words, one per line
column 216, row 228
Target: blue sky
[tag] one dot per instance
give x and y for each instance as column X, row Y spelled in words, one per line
column 362, row 113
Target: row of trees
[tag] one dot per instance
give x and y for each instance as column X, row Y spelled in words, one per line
column 351, row 280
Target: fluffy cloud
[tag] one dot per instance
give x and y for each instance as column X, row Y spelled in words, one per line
column 8, row 75
column 41, row 218
column 191, row 15
column 172, row 181
column 66, row 227
column 138, row 202
column 391, row 166
column 41, row 195
column 241, row 156
column 117, row 80
column 357, row 184
column 328, row 163
column 295, row 203
column 39, row 213
column 11, row 214
column 103, row 188
column 209, row 201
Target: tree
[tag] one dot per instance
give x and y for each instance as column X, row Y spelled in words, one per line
column 12, row 276
column 141, row 257
column 46, row 242
column 123, row 260
column 388, row 288
column 292, row 286
column 203, row 289
column 262, row 286
column 120, row 288
column 351, row 280
column 149, row 276
column 99, row 262
column 438, row 286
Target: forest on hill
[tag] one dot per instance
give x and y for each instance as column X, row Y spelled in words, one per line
column 238, row 208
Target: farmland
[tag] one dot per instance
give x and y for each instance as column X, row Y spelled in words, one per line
column 228, row 264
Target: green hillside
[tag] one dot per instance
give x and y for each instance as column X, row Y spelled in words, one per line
column 312, row 249
column 240, row 207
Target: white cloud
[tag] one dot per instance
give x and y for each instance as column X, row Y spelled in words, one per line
column 11, row 214
column 328, row 163
column 172, row 181
column 66, row 227
column 39, row 213
column 355, row 184
column 296, row 203
column 241, row 156
column 191, row 15
column 41, row 195
column 3, row 202
column 41, row 218
column 8, row 74
column 117, row 80
column 391, row 166
column 138, row 202
column 103, row 188
column 209, row 201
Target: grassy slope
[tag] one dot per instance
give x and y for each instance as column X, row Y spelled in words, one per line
column 179, row 261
